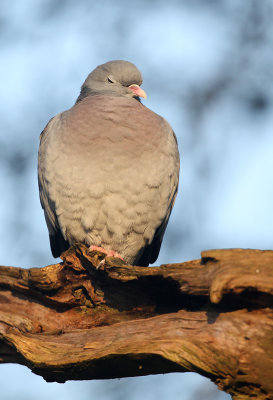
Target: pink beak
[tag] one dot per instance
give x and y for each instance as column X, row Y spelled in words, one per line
column 137, row 91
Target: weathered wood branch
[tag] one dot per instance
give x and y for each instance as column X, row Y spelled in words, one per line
column 213, row 316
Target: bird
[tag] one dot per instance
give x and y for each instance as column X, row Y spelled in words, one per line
column 108, row 169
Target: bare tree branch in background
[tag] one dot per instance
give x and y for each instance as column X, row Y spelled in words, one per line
column 212, row 316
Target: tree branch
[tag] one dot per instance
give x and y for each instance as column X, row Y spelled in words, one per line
column 212, row 316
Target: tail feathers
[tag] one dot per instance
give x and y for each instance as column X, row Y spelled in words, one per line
column 58, row 244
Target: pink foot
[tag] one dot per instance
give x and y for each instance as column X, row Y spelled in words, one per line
column 110, row 253
column 113, row 253
column 97, row 248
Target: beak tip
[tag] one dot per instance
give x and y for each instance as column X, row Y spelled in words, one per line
column 138, row 91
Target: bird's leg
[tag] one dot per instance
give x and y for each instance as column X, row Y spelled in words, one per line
column 108, row 253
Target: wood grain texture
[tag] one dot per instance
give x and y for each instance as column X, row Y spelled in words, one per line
column 213, row 316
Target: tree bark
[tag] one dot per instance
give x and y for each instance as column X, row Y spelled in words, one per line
column 212, row 316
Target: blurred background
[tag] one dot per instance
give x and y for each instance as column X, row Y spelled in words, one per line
column 207, row 67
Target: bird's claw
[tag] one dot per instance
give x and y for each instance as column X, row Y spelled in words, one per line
column 101, row 263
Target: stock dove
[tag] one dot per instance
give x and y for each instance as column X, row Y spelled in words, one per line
column 108, row 169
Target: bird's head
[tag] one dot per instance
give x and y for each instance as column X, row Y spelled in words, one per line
column 114, row 78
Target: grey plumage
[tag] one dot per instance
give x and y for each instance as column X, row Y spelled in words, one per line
column 108, row 169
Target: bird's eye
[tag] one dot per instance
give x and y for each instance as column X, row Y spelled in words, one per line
column 111, row 79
